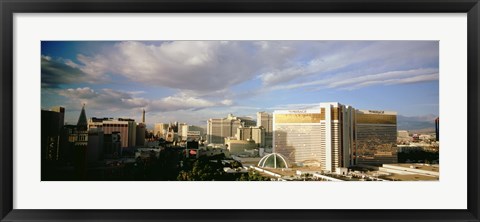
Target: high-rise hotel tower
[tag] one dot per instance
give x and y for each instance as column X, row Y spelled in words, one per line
column 335, row 135
column 375, row 137
column 265, row 120
column 219, row 129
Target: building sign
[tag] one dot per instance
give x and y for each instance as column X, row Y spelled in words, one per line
column 193, row 133
column 376, row 111
column 297, row 111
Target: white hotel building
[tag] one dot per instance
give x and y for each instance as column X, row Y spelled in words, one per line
column 327, row 136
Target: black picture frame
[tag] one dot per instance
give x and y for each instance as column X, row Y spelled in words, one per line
column 9, row 7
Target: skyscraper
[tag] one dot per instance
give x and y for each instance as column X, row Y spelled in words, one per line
column 376, row 137
column 160, row 130
column 141, row 129
column 183, row 131
column 320, row 137
column 437, row 129
column 140, row 134
column 334, row 135
column 219, row 129
column 265, row 120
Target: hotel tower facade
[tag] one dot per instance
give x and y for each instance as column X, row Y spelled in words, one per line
column 220, row 129
column 335, row 135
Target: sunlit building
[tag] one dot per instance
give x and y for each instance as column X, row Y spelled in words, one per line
column 160, row 130
column 255, row 133
column 196, row 133
column 219, row 129
column 402, row 134
column 376, row 137
column 320, row 137
column 335, row 135
column 183, row 131
column 239, row 146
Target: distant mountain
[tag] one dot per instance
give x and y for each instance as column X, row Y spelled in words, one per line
column 416, row 122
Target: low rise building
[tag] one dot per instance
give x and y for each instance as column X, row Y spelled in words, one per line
column 402, row 134
column 235, row 146
column 410, row 172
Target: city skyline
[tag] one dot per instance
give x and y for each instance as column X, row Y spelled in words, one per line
column 192, row 81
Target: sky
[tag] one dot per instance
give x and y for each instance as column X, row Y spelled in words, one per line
column 192, row 81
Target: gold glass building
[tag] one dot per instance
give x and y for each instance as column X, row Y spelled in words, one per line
column 376, row 137
column 335, row 135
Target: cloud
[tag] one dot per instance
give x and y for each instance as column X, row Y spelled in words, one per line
column 95, row 67
column 184, row 101
column 57, row 72
column 212, row 68
column 227, row 102
column 201, row 66
column 352, row 83
column 229, row 75
column 60, row 71
column 105, row 99
column 204, row 67
column 115, row 100
column 338, row 64
column 81, row 93
column 312, row 67
column 180, row 102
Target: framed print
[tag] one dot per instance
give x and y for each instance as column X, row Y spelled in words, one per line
column 264, row 110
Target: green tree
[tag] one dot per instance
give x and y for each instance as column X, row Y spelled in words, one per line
column 235, row 164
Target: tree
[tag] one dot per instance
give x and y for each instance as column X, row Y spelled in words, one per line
column 235, row 164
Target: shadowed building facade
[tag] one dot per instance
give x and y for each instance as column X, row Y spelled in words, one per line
column 81, row 144
column 126, row 127
column 52, row 127
column 265, row 120
column 52, row 139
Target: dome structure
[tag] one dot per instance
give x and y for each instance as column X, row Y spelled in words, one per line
column 273, row 160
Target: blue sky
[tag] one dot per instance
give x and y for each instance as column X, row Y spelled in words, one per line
column 191, row 81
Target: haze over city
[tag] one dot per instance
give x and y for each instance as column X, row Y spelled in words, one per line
column 192, row 81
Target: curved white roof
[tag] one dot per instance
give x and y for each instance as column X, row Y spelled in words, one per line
column 273, row 160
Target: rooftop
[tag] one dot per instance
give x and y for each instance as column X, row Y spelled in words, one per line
column 413, row 177
column 427, row 167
